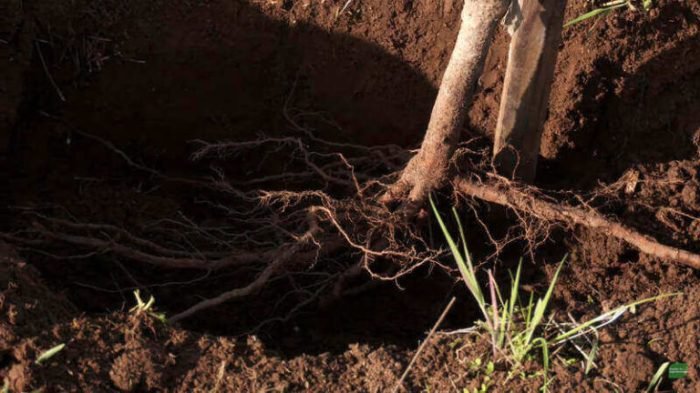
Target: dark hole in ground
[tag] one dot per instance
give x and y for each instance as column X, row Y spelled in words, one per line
column 228, row 72
column 193, row 86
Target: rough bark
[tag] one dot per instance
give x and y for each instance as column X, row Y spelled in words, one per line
column 531, row 59
column 429, row 168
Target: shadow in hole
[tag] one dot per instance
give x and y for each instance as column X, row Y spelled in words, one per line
column 225, row 72
column 653, row 116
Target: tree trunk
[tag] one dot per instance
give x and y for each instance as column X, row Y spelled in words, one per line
column 531, row 60
column 428, row 169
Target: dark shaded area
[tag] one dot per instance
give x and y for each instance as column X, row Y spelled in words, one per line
column 222, row 72
column 229, row 72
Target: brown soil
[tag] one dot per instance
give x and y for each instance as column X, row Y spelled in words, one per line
column 150, row 76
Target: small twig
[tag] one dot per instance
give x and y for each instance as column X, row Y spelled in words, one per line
column 345, row 7
column 399, row 383
column 48, row 74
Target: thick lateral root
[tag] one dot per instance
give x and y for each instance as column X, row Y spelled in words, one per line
column 508, row 195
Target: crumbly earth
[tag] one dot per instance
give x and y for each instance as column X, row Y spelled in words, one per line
column 150, row 76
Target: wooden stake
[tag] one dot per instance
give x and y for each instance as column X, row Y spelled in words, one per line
column 529, row 74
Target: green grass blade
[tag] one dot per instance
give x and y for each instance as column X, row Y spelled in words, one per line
column 542, row 303
column 463, row 237
column 470, row 277
column 48, row 354
column 545, row 361
column 591, row 357
column 496, row 323
column 467, row 272
column 514, row 287
column 504, row 326
column 528, row 316
column 467, row 258
column 592, row 14
column 509, row 306
column 656, row 379
column 456, row 254
column 607, row 318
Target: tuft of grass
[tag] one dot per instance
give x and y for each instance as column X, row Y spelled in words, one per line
column 519, row 331
column 49, row 353
column 609, row 7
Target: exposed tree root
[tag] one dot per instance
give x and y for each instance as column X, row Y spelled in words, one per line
column 321, row 223
column 509, row 195
column 323, row 228
column 262, row 279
